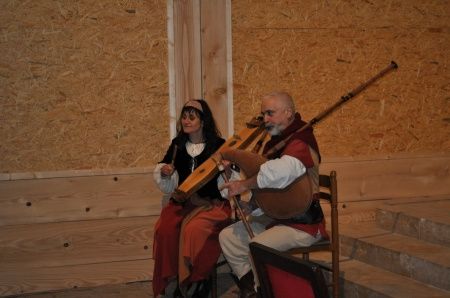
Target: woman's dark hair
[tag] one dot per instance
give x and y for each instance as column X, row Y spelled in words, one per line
column 210, row 130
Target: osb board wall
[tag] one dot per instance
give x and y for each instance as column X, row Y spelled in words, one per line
column 83, row 84
column 86, row 228
column 320, row 50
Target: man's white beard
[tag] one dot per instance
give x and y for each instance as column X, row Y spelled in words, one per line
column 274, row 130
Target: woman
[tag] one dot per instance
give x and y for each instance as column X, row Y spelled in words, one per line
column 186, row 235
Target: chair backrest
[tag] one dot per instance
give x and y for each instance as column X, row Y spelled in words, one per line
column 328, row 192
column 284, row 276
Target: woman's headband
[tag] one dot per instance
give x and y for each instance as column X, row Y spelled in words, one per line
column 194, row 104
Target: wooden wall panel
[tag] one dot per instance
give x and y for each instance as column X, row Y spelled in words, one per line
column 69, row 68
column 391, row 177
column 55, row 243
column 58, row 246
column 83, row 84
column 76, row 243
column 14, row 282
column 319, row 50
column 78, row 198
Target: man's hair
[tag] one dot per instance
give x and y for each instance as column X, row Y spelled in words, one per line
column 284, row 97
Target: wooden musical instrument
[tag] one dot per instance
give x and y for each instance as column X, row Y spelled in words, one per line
column 208, row 169
column 278, row 203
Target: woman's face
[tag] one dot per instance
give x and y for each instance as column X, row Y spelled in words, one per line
column 191, row 122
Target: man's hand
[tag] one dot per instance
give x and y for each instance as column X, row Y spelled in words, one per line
column 235, row 187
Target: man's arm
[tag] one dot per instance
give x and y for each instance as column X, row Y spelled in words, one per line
column 276, row 173
column 280, row 172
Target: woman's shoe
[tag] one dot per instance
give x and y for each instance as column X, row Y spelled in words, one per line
column 202, row 289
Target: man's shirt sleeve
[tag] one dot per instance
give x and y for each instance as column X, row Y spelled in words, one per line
column 280, row 172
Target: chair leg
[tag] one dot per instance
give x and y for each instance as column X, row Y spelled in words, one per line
column 335, row 285
column 335, row 274
column 213, row 278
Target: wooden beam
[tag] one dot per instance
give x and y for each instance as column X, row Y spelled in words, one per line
column 184, row 54
column 216, row 61
column 199, row 35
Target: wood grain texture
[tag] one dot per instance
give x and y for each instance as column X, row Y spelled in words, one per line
column 215, row 65
column 187, row 51
column 13, row 281
column 83, row 83
column 391, row 177
column 78, row 198
column 75, row 243
column 56, row 243
column 320, row 50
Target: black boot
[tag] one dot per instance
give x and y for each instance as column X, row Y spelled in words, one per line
column 202, row 289
column 247, row 286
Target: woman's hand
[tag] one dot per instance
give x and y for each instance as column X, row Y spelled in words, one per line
column 167, row 170
column 227, row 167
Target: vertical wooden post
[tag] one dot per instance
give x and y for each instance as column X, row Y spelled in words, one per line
column 185, row 70
column 199, row 38
column 216, row 61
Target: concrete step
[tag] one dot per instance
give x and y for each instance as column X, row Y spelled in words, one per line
column 359, row 279
column 425, row 262
column 362, row 280
column 424, row 219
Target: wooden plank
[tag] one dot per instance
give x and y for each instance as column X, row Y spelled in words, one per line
column 135, row 194
column 186, row 68
column 75, row 243
column 31, row 254
column 78, row 198
column 199, row 38
column 74, row 173
column 15, row 282
column 216, row 64
column 393, row 177
column 69, row 183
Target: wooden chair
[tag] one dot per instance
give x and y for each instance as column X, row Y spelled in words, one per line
column 282, row 275
column 328, row 192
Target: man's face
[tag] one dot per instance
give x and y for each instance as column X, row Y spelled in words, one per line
column 276, row 115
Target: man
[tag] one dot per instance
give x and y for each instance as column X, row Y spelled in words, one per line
column 299, row 156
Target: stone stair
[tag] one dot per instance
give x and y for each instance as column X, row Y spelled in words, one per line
column 405, row 252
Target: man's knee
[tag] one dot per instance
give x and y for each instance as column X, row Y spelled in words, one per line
column 261, row 239
column 224, row 236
